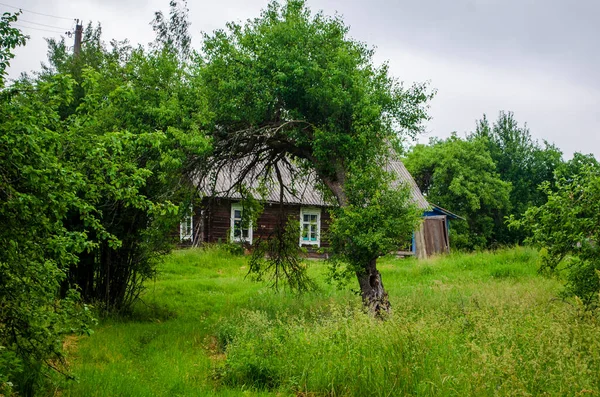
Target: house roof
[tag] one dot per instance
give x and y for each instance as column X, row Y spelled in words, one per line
column 436, row 209
column 403, row 176
column 300, row 189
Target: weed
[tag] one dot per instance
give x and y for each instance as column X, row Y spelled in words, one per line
column 463, row 324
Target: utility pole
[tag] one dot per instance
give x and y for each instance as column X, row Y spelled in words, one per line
column 78, row 34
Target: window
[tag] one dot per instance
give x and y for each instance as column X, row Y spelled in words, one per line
column 241, row 229
column 310, row 226
column 186, row 226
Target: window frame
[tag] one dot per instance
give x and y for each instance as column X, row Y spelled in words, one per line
column 183, row 226
column 234, row 207
column 310, row 211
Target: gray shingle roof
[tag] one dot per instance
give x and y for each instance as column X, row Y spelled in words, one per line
column 403, row 176
column 301, row 189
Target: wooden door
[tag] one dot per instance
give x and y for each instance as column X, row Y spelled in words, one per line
column 435, row 234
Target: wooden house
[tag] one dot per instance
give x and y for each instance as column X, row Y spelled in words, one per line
column 219, row 216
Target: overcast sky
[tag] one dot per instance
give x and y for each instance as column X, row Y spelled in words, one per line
column 539, row 59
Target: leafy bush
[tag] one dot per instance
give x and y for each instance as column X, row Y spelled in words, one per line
column 91, row 154
column 232, row 248
column 583, row 280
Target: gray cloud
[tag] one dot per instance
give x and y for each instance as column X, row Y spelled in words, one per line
column 539, row 59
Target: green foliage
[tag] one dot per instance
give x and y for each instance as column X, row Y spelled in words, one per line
column 38, row 191
column 132, row 126
column 493, row 173
column 302, row 73
column 460, row 175
column 567, row 228
column 376, row 221
column 233, row 248
column 205, row 329
column 91, row 157
column 10, row 38
column 521, row 161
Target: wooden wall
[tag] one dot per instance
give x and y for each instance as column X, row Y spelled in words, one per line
column 212, row 221
column 432, row 237
column 212, row 225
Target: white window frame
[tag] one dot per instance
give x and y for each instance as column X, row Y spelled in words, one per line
column 248, row 239
column 186, row 234
column 310, row 211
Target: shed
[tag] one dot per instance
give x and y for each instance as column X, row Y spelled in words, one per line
column 433, row 235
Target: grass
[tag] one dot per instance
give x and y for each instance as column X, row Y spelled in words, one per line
column 464, row 324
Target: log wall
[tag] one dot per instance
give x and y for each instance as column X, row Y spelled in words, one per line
column 212, row 221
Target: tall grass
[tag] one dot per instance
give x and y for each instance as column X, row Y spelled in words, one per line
column 463, row 324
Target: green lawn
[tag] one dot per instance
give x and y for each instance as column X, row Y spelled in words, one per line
column 479, row 324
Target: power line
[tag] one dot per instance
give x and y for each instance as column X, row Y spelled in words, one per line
column 37, row 13
column 43, row 30
column 41, row 24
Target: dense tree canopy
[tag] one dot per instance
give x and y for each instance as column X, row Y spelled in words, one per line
column 521, row 161
column 136, row 110
column 491, row 174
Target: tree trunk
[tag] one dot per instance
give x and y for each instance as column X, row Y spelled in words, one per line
column 371, row 287
column 372, row 291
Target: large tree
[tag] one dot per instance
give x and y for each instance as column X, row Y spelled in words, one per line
column 520, row 160
column 293, row 86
